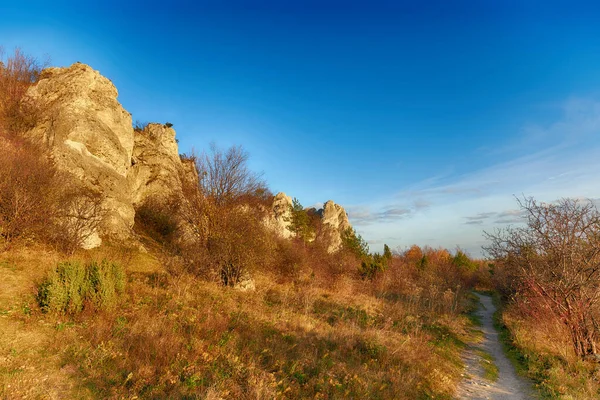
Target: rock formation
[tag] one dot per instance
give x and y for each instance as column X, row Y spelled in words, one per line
column 334, row 219
column 281, row 217
column 156, row 167
column 91, row 137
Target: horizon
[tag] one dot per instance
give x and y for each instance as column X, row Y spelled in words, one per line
column 423, row 122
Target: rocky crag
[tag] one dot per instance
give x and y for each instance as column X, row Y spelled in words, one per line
column 334, row 220
column 90, row 135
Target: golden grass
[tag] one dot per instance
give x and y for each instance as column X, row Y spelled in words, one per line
column 543, row 349
column 27, row 368
column 174, row 335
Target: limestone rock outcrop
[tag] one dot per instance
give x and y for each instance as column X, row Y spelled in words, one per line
column 90, row 135
column 334, row 219
column 280, row 217
column 156, row 167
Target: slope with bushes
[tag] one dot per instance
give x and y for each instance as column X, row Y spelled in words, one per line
column 547, row 272
column 163, row 316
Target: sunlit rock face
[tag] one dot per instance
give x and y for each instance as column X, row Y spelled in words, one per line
column 280, row 218
column 156, row 167
column 90, row 135
column 335, row 221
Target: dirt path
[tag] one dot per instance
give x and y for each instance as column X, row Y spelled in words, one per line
column 476, row 385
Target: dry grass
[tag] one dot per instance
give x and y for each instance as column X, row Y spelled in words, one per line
column 27, row 368
column 283, row 341
column 312, row 329
column 177, row 336
column 542, row 348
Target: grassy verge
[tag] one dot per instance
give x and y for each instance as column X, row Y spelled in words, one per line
column 471, row 312
column 176, row 336
column 538, row 353
column 267, row 344
column 487, row 362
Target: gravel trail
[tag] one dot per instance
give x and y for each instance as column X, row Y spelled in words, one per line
column 509, row 385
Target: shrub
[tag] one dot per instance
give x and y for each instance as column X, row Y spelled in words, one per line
column 139, row 126
column 106, row 281
column 78, row 213
column 28, row 188
column 237, row 244
column 64, row 289
column 225, row 177
column 370, row 266
column 157, row 217
column 38, row 202
column 555, row 259
column 17, row 73
column 71, row 286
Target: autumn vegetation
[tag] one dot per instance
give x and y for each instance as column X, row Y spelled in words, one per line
column 213, row 304
column 217, row 305
column 547, row 272
column 37, row 202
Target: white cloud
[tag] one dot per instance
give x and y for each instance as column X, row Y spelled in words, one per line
column 563, row 161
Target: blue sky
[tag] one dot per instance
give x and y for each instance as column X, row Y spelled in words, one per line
column 423, row 119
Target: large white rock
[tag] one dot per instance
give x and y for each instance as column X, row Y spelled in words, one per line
column 334, row 219
column 157, row 170
column 280, row 217
column 90, row 135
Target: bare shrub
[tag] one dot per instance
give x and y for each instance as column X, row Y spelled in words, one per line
column 17, row 73
column 225, row 176
column 28, row 191
column 158, row 218
column 555, row 258
column 237, row 243
column 223, row 236
column 38, row 202
column 77, row 216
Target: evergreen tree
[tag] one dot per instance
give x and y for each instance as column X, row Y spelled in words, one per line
column 387, row 253
column 355, row 243
column 300, row 222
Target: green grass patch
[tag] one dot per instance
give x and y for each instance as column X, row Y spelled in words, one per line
column 71, row 286
column 473, row 305
column 487, row 362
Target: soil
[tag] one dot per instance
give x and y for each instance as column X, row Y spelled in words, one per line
column 475, row 385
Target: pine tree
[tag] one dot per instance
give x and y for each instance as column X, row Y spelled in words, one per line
column 300, row 222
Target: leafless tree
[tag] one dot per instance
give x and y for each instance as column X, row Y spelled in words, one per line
column 78, row 214
column 555, row 258
column 39, row 202
column 17, row 72
column 225, row 177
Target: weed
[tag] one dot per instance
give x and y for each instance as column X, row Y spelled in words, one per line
column 71, row 285
column 487, row 362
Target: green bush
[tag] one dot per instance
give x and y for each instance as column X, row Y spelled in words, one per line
column 71, row 286
column 370, row 266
